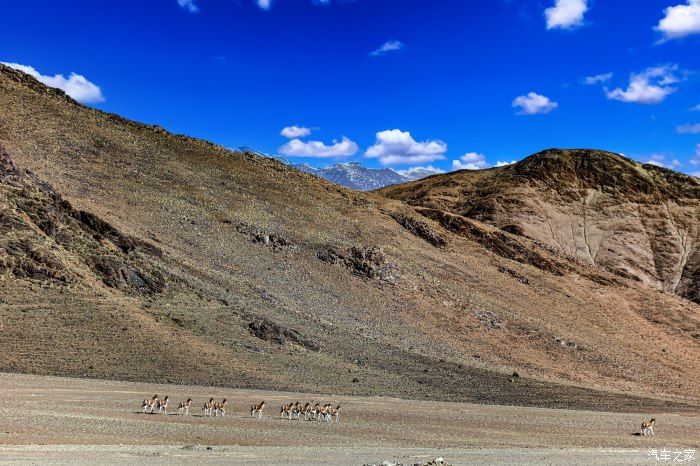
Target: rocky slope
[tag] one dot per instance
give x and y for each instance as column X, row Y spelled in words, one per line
column 637, row 221
column 128, row 252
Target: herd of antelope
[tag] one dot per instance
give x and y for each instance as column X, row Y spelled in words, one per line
column 218, row 409
column 318, row 412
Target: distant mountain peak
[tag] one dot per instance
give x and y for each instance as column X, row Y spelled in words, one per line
column 354, row 175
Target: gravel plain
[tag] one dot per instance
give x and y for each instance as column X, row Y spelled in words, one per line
column 61, row 420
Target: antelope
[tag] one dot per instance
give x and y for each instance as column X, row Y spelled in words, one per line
column 334, row 412
column 302, row 409
column 184, row 407
column 220, row 408
column 324, row 413
column 257, row 409
column 313, row 412
column 307, row 411
column 208, row 407
column 163, row 405
column 286, row 410
column 294, row 414
column 648, row 426
column 149, row 404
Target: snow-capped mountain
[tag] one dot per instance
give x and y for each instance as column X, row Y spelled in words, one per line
column 418, row 173
column 353, row 174
column 356, row 176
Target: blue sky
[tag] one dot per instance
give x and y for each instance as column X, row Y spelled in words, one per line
column 398, row 83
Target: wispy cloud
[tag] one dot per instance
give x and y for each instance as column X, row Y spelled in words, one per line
column 689, row 129
column 76, row 85
column 659, row 159
column 533, row 104
column 264, row 4
column 651, row 86
column 188, row 5
column 680, row 21
column 389, row 46
column 396, row 147
column 318, row 149
column 696, row 159
column 566, row 14
column 597, row 79
column 293, row 132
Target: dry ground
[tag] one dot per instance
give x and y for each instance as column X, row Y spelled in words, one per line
column 52, row 419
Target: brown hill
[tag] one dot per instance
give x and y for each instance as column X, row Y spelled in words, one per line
column 637, row 221
column 128, row 252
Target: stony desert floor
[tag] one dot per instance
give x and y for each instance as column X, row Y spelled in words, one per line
column 60, row 420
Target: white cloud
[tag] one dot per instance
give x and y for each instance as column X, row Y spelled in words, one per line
column 696, row 160
column 293, row 132
column 566, row 14
column 266, row 4
column 388, row 46
column 651, row 86
column 470, row 161
column 76, row 85
column 696, row 108
column 680, row 21
column 659, row 160
column 396, row 147
column 317, row 149
column 598, row 78
column 503, row 164
column 188, row 5
column 689, row 129
column 533, row 103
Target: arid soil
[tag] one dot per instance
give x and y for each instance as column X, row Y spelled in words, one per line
column 50, row 419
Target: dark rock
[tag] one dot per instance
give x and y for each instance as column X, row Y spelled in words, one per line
column 419, row 228
column 369, row 262
column 519, row 277
column 273, row 332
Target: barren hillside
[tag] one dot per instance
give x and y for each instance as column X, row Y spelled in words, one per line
column 637, row 221
column 128, row 252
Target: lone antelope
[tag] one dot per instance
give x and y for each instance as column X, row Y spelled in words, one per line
column 220, row 408
column 257, row 409
column 208, row 407
column 163, row 405
column 184, row 407
column 648, row 426
column 150, row 404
